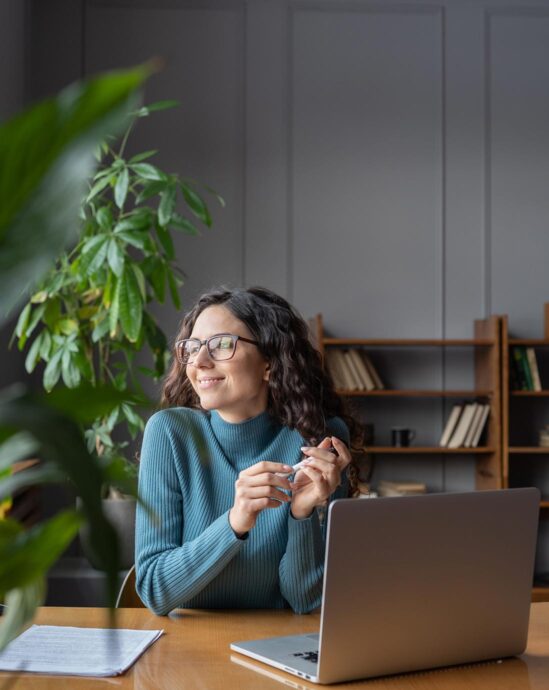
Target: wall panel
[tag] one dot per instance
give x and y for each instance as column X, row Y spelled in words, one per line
column 366, row 168
column 202, row 47
column 518, row 165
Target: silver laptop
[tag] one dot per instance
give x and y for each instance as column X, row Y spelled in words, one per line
column 417, row 582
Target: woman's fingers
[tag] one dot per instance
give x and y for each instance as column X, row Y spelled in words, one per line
column 266, row 479
column 344, row 454
column 266, row 466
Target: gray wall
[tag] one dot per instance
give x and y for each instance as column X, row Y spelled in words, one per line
column 385, row 163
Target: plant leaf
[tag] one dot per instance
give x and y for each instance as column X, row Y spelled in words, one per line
column 166, row 241
column 174, row 290
column 20, row 446
column 52, row 371
column 92, row 259
column 36, row 549
column 142, row 156
column 130, row 305
column 43, row 188
column 121, row 188
column 181, row 223
column 161, row 105
column 166, row 206
column 115, row 257
column 99, row 186
column 196, row 204
column 21, row 603
column 149, row 172
column 103, row 216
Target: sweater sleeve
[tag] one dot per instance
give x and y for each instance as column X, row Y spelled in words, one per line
column 301, row 569
column 302, row 566
column 168, row 571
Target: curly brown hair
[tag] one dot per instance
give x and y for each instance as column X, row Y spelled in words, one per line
column 301, row 392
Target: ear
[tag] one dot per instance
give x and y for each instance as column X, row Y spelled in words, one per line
column 267, row 372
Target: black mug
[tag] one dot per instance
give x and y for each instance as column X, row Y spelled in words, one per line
column 401, row 436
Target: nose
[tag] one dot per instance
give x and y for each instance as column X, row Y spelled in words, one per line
column 202, row 357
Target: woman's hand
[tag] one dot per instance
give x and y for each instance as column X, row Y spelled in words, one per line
column 257, row 488
column 319, row 476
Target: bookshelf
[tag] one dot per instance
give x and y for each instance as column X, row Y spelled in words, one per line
column 524, row 462
column 485, row 345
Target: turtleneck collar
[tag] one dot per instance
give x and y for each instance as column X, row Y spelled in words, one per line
column 244, row 441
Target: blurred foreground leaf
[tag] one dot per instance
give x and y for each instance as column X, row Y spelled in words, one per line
column 46, row 158
column 47, row 155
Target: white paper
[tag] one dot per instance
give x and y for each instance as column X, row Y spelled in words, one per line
column 76, row 651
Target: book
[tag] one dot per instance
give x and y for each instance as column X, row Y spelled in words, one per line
column 348, row 378
column 523, row 369
column 467, row 441
column 388, row 488
column 368, row 383
column 357, row 381
column 450, row 425
column 373, row 371
column 480, row 426
column 333, row 367
column 534, row 371
column 462, row 427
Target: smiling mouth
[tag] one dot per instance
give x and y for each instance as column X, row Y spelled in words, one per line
column 208, row 382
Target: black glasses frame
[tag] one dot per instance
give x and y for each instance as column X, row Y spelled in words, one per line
column 184, row 360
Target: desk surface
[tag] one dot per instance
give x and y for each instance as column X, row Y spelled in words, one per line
column 194, row 654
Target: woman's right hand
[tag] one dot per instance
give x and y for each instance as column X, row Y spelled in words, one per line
column 258, row 487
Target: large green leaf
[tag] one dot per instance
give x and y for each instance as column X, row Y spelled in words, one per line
column 196, row 204
column 46, row 156
column 130, row 304
column 29, row 555
column 63, row 446
column 121, row 187
column 21, row 603
column 17, row 447
column 100, row 400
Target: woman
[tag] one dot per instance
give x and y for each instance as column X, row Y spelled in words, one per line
column 231, row 525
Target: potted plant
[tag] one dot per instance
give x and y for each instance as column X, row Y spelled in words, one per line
column 91, row 315
column 47, row 157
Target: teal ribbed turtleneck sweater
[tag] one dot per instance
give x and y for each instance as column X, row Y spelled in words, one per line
column 189, row 556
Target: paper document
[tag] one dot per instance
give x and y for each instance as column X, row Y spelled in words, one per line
column 63, row 650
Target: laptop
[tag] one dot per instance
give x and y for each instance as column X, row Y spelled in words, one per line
column 417, row 582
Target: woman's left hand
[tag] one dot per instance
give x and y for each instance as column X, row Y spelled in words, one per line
column 316, row 480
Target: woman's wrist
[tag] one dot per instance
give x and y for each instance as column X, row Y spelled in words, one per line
column 240, row 529
column 301, row 514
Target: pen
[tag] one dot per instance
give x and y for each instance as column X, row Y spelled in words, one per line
column 300, row 464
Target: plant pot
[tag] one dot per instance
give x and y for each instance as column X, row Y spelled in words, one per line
column 121, row 514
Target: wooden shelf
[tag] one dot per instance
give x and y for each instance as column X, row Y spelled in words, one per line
column 531, row 342
column 531, row 394
column 528, row 450
column 418, row 342
column 402, row 393
column 540, row 593
column 484, row 346
column 429, row 450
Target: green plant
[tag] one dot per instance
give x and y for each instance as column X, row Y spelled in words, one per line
column 92, row 314
column 46, row 157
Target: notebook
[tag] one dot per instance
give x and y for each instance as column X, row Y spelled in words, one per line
column 417, row 582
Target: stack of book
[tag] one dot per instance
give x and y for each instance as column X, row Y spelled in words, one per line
column 465, row 425
column 524, row 370
column 386, row 488
column 352, row 370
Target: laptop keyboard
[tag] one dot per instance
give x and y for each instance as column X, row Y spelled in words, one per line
column 308, row 656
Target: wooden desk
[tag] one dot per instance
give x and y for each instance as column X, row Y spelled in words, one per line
column 194, row 654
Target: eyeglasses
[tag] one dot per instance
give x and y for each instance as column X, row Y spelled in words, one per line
column 220, row 347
